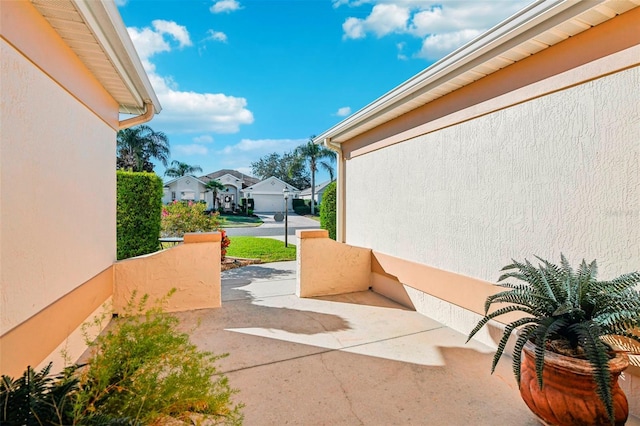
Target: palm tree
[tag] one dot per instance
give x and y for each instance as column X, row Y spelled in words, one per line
column 316, row 154
column 138, row 145
column 179, row 169
column 214, row 186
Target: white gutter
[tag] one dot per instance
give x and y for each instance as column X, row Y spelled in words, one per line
column 340, row 189
column 536, row 18
column 104, row 20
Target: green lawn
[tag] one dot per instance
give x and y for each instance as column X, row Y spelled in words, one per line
column 265, row 249
column 232, row 221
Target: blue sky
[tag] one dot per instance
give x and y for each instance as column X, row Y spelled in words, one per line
column 239, row 79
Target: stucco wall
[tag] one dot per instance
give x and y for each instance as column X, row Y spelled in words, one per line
column 57, row 186
column 560, row 173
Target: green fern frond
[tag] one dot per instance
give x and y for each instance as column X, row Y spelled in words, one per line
column 505, row 338
column 596, row 352
column 523, row 337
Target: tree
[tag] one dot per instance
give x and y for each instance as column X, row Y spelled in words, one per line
column 288, row 167
column 214, row 186
column 179, row 169
column 138, row 145
column 316, row 155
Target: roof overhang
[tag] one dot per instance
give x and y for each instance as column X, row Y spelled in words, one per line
column 540, row 25
column 94, row 30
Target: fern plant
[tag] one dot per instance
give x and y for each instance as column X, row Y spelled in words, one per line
column 571, row 307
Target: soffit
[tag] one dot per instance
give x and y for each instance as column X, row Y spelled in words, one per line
column 428, row 86
column 77, row 33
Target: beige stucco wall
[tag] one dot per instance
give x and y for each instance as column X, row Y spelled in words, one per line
column 192, row 269
column 57, row 188
column 560, row 173
column 325, row 267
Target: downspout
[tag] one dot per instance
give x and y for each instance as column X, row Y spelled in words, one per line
column 341, row 189
column 140, row 119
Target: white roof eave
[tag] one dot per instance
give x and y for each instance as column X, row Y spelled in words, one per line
column 535, row 19
column 104, row 20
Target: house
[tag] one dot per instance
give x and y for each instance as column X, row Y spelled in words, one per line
column 268, row 196
column 185, row 188
column 234, row 182
column 523, row 142
column 68, row 70
column 305, row 194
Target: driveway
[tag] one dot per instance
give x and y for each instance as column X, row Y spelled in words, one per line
column 272, row 228
column 352, row 359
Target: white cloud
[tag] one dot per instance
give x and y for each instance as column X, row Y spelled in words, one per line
column 259, row 147
column 344, row 111
column 185, row 111
column 240, row 155
column 121, row 3
column 216, row 36
column 221, row 6
column 443, row 25
column 178, row 32
column 400, row 46
column 187, row 150
column 384, row 19
column 438, row 45
column 203, row 139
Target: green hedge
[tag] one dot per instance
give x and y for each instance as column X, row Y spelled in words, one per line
column 328, row 210
column 139, row 203
column 298, row 202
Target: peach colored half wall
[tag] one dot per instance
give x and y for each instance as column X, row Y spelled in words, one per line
column 192, row 268
column 327, row 267
column 34, row 340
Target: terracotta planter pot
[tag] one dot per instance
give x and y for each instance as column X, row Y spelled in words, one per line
column 569, row 392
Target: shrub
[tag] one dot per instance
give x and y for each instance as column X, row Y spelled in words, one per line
column 139, row 201
column 224, row 243
column 180, row 217
column 37, row 397
column 144, row 370
column 298, row 202
column 328, row 210
column 302, row 210
column 141, row 371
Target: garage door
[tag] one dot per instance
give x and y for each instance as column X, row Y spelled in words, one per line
column 265, row 203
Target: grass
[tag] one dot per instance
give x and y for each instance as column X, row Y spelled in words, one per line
column 265, row 249
column 232, row 221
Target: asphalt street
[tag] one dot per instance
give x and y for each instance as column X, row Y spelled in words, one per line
column 272, row 228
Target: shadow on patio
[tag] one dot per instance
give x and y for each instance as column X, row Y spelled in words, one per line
column 357, row 358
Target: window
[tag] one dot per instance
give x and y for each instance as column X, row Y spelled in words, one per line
column 173, row 195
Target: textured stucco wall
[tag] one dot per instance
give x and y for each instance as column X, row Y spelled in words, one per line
column 326, row 267
column 57, row 186
column 560, row 173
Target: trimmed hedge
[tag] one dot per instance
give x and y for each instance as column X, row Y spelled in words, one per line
column 139, row 203
column 298, row 202
column 328, row 210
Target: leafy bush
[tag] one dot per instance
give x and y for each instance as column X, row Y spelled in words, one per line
column 36, row 398
column 143, row 369
column 181, row 217
column 224, row 243
column 328, row 210
column 139, row 200
column 302, row 210
column 298, row 202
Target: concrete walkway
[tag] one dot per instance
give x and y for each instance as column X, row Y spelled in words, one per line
column 355, row 359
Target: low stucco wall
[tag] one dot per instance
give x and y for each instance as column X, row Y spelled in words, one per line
column 192, row 268
column 327, row 267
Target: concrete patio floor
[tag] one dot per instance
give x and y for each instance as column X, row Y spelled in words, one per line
column 354, row 359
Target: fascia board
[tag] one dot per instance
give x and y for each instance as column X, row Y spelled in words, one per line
column 539, row 16
column 103, row 18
